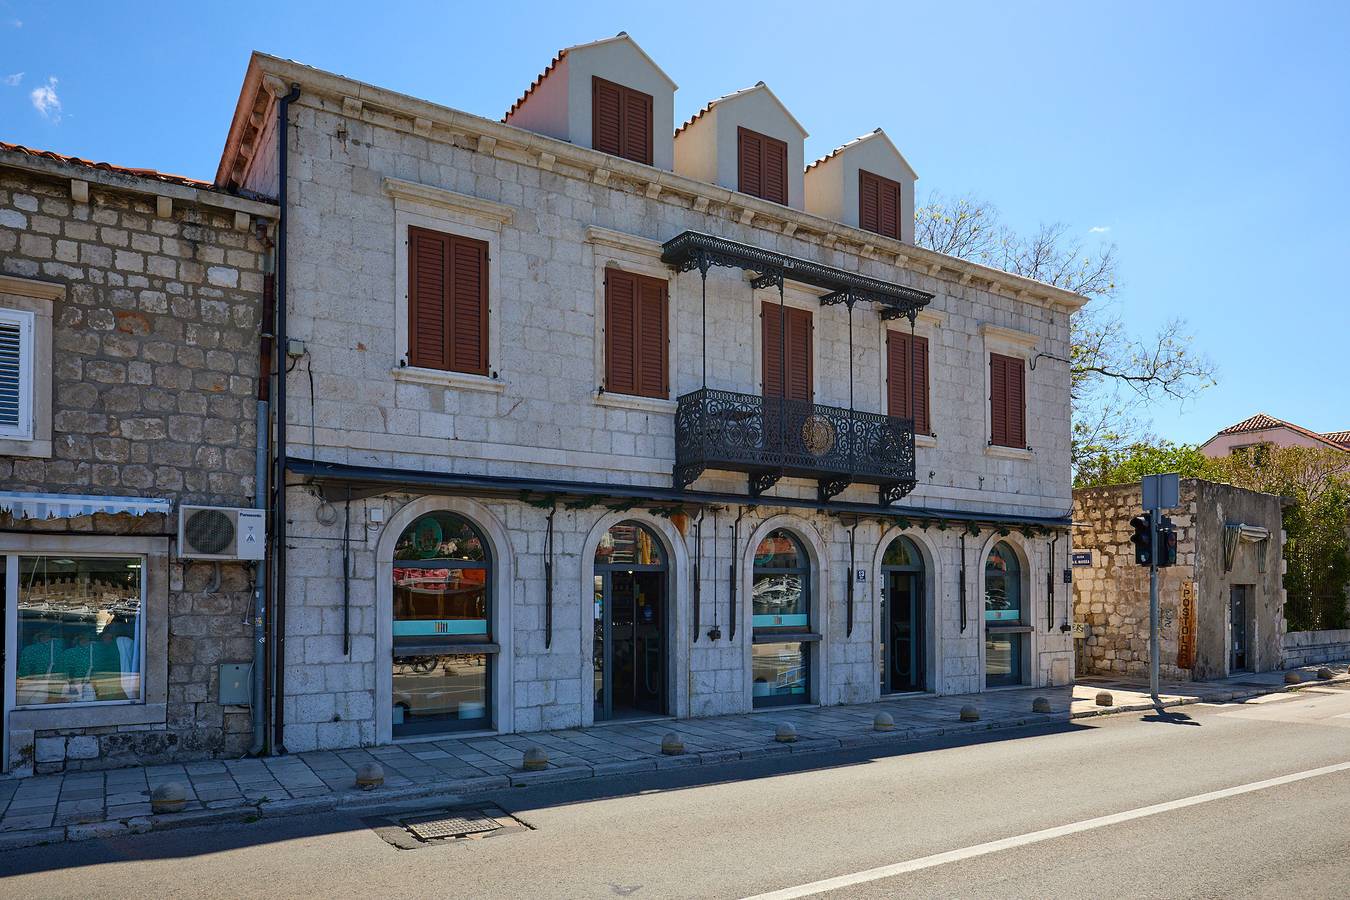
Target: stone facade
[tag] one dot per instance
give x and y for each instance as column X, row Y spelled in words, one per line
column 365, row 165
column 1111, row 597
column 154, row 380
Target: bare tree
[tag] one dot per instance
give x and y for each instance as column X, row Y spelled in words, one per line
column 1115, row 375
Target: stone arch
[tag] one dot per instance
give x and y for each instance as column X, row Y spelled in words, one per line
column 932, row 595
column 818, row 552
column 503, row 580
column 678, row 590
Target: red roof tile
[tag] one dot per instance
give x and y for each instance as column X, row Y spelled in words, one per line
column 1263, row 422
column 1339, row 437
column 165, row 177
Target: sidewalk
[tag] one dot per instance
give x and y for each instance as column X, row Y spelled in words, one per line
column 1132, row 695
column 83, row 805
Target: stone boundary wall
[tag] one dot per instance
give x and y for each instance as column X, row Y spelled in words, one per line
column 1306, row 648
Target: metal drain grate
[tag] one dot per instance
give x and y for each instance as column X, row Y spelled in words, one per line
column 450, row 824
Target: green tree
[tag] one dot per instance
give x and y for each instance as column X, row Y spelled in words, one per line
column 1129, row 464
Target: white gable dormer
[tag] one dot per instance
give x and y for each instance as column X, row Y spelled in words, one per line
column 857, row 183
column 561, row 103
column 710, row 146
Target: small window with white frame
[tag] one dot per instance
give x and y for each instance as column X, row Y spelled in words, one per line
column 16, row 374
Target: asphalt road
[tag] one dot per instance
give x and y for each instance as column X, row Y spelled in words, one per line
column 964, row 816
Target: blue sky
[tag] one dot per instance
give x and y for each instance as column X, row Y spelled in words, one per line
column 1210, row 140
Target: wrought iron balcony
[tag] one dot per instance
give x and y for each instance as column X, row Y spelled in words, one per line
column 768, row 438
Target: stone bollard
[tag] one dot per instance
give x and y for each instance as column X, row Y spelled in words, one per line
column 1104, row 698
column 672, row 744
column 970, row 714
column 786, row 734
column 1293, row 678
column 369, row 776
column 169, row 797
column 1324, row 673
column 535, row 759
column 884, row 721
column 1040, row 705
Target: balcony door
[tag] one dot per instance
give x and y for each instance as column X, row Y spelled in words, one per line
column 786, row 355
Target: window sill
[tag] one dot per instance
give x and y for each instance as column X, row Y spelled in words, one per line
column 1000, row 452
column 88, row 715
column 632, row 401
column 925, row 440
column 12, row 446
column 415, row 375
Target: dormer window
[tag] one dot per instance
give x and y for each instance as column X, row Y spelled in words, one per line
column 763, row 166
column 879, row 204
column 621, row 121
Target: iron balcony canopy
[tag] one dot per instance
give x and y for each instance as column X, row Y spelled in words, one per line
column 696, row 250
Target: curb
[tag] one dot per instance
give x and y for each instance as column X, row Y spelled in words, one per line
column 1224, row 697
column 369, row 801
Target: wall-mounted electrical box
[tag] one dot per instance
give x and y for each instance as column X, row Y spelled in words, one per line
column 236, row 687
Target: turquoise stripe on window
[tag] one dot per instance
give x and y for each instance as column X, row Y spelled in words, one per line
column 770, row 621
column 425, row 627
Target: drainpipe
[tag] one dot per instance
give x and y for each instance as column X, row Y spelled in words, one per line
column 259, row 590
column 278, row 700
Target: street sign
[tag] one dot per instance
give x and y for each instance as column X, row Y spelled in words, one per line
column 860, row 576
column 1161, row 491
column 1082, row 559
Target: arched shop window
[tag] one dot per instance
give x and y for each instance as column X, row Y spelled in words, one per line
column 781, row 619
column 902, row 654
column 1004, row 629
column 443, row 641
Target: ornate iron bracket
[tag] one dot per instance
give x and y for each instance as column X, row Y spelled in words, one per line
column 768, row 279
column 888, row 313
column 830, row 487
column 895, row 490
column 763, row 480
column 687, row 474
column 848, row 298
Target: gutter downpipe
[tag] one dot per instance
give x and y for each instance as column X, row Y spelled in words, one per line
column 259, row 617
column 278, row 700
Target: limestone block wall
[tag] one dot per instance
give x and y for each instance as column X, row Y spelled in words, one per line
column 1112, row 596
column 1306, row 648
column 154, row 391
column 336, row 699
column 541, row 413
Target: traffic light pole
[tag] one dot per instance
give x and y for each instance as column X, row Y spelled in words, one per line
column 1153, row 651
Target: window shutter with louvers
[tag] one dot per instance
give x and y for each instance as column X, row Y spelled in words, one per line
column 878, row 204
column 447, row 302
column 636, row 335
column 1007, row 401
column 16, row 376
column 800, row 377
column 763, row 166
column 907, row 379
column 621, row 121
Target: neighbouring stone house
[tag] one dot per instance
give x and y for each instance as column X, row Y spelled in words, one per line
column 130, row 304
column 1263, row 430
column 1221, row 606
column 611, row 421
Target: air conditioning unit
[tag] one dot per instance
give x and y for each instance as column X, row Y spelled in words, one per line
column 221, row 532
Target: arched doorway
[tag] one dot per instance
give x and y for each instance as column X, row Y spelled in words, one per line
column 903, row 658
column 781, row 617
column 1005, row 628
column 631, row 624
column 443, row 646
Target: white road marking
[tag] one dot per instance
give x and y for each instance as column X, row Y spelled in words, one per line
column 1045, row 834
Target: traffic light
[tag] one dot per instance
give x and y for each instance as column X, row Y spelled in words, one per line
column 1167, row 542
column 1143, row 538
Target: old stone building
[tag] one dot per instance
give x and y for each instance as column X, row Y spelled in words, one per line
column 1222, row 604
column 130, row 304
column 588, row 418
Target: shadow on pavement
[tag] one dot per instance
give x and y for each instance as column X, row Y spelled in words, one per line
column 188, row 842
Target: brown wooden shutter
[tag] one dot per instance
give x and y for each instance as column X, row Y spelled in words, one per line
column 1007, row 401
column 878, row 204
column 447, row 302
column 468, row 306
column 800, row 377
column 751, row 151
column 907, row 379
column 775, row 171
column 637, row 126
column 651, row 338
column 636, row 335
column 620, row 334
column 606, row 116
column 428, row 279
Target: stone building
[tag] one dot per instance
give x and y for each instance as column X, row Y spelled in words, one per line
column 596, row 430
column 1222, row 604
column 130, row 304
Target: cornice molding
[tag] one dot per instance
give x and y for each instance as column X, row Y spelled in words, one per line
column 619, row 240
column 27, row 287
column 1008, row 335
column 399, row 189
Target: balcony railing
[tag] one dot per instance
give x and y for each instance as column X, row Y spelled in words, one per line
column 768, row 438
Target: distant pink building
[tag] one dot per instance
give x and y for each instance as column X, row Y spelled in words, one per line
column 1263, row 429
